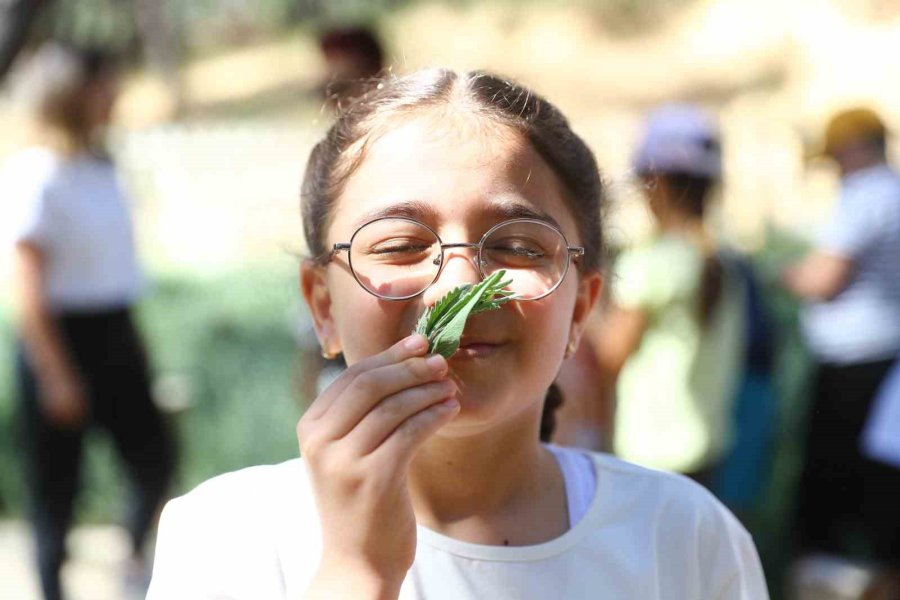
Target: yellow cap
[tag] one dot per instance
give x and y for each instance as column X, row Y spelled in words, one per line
column 853, row 125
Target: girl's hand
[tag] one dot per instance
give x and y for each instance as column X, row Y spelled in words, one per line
column 357, row 440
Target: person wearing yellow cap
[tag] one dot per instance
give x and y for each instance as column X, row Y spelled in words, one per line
column 851, row 320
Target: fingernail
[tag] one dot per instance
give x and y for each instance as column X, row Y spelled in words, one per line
column 450, row 403
column 436, row 363
column 416, row 343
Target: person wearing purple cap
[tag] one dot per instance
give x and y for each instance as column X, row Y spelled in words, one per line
column 673, row 337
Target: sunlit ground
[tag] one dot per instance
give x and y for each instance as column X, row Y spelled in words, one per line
column 94, row 573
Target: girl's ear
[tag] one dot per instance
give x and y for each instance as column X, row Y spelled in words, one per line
column 589, row 287
column 318, row 298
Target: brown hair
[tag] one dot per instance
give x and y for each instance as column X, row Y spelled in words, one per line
column 500, row 100
column 496, row 99
column 691, row 193
column 51, row 87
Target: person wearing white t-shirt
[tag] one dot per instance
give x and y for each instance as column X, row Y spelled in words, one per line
column 422, row 476
column 851, row 322
column 81, row 361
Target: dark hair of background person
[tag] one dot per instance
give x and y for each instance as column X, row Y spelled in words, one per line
column 493, row 98
column 52, row 87
column 690, row 195
column 353, row 57
column 359, row 42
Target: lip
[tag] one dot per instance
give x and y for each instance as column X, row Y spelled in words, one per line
column 473, row 350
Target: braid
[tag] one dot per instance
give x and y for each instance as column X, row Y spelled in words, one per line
column 552, row 401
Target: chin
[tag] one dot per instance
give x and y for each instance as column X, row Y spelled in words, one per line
column 484, row 413
column 463, row 427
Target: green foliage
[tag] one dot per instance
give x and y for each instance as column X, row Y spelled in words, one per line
column 792, row 366
column 10, row 480
column 106, row 23
column 231, row 338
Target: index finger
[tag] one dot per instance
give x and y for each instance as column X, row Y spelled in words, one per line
column 408, row 347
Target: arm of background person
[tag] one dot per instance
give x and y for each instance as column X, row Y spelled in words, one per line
column 58, row 379
column 616, row 337
column 819, row 276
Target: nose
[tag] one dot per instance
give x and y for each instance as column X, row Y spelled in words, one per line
column 460, row 266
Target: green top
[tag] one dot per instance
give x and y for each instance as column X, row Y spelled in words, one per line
column 675, row 393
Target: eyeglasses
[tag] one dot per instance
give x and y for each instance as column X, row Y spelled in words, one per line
column 396, row 258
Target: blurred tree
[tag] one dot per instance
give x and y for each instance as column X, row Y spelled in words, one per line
column 17, row 18
column 630, row 17
column 158, row 33
column 143, row 27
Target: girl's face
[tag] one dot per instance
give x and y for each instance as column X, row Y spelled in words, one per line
column 460, row 176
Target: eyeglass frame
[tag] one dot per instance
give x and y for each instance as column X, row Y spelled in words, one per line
column 572, row 252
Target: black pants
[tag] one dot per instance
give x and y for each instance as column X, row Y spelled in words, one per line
column 843, row 495
column 108, row 352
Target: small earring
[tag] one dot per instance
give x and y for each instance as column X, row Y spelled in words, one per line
column 329, row 355
column 571, row 347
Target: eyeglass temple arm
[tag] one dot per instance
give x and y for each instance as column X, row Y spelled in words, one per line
column 334, row 251
column 577, row 251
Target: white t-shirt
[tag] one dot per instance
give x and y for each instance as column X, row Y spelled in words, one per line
column 580, row 479
column 255, row 535
column 75, row 212
column 862, row 323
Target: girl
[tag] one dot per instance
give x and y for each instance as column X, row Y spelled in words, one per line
column 423, row 477
column 81, row 361
column 674, row 333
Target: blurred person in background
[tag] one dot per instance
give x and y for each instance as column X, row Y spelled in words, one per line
column 353, row 57
column 76, row 277
column 672, row 339
column 851, row 322
column 584, row 417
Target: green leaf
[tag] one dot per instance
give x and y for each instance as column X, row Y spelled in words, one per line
column 443, row 324
column 432, row 315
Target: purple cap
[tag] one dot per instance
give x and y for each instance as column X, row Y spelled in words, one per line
column 679, row 138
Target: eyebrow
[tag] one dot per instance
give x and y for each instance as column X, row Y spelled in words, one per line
column 411, row 209
column 511, row 209
column 420, row 210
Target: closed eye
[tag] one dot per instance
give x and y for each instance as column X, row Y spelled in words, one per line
column 397, row 248
column 519, row 251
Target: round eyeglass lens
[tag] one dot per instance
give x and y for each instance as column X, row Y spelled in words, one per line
column 534, row 255
column 395, row 258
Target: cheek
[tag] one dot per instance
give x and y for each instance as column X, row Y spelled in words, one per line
column 365, row 324
column 547, row 322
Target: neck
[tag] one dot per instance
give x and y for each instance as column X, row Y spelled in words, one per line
column 678, row 222
column 851, row 167
column 489, row 478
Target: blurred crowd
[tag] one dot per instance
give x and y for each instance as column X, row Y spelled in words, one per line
column 677, row 371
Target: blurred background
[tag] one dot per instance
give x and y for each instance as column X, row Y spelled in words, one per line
column 219, row 107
